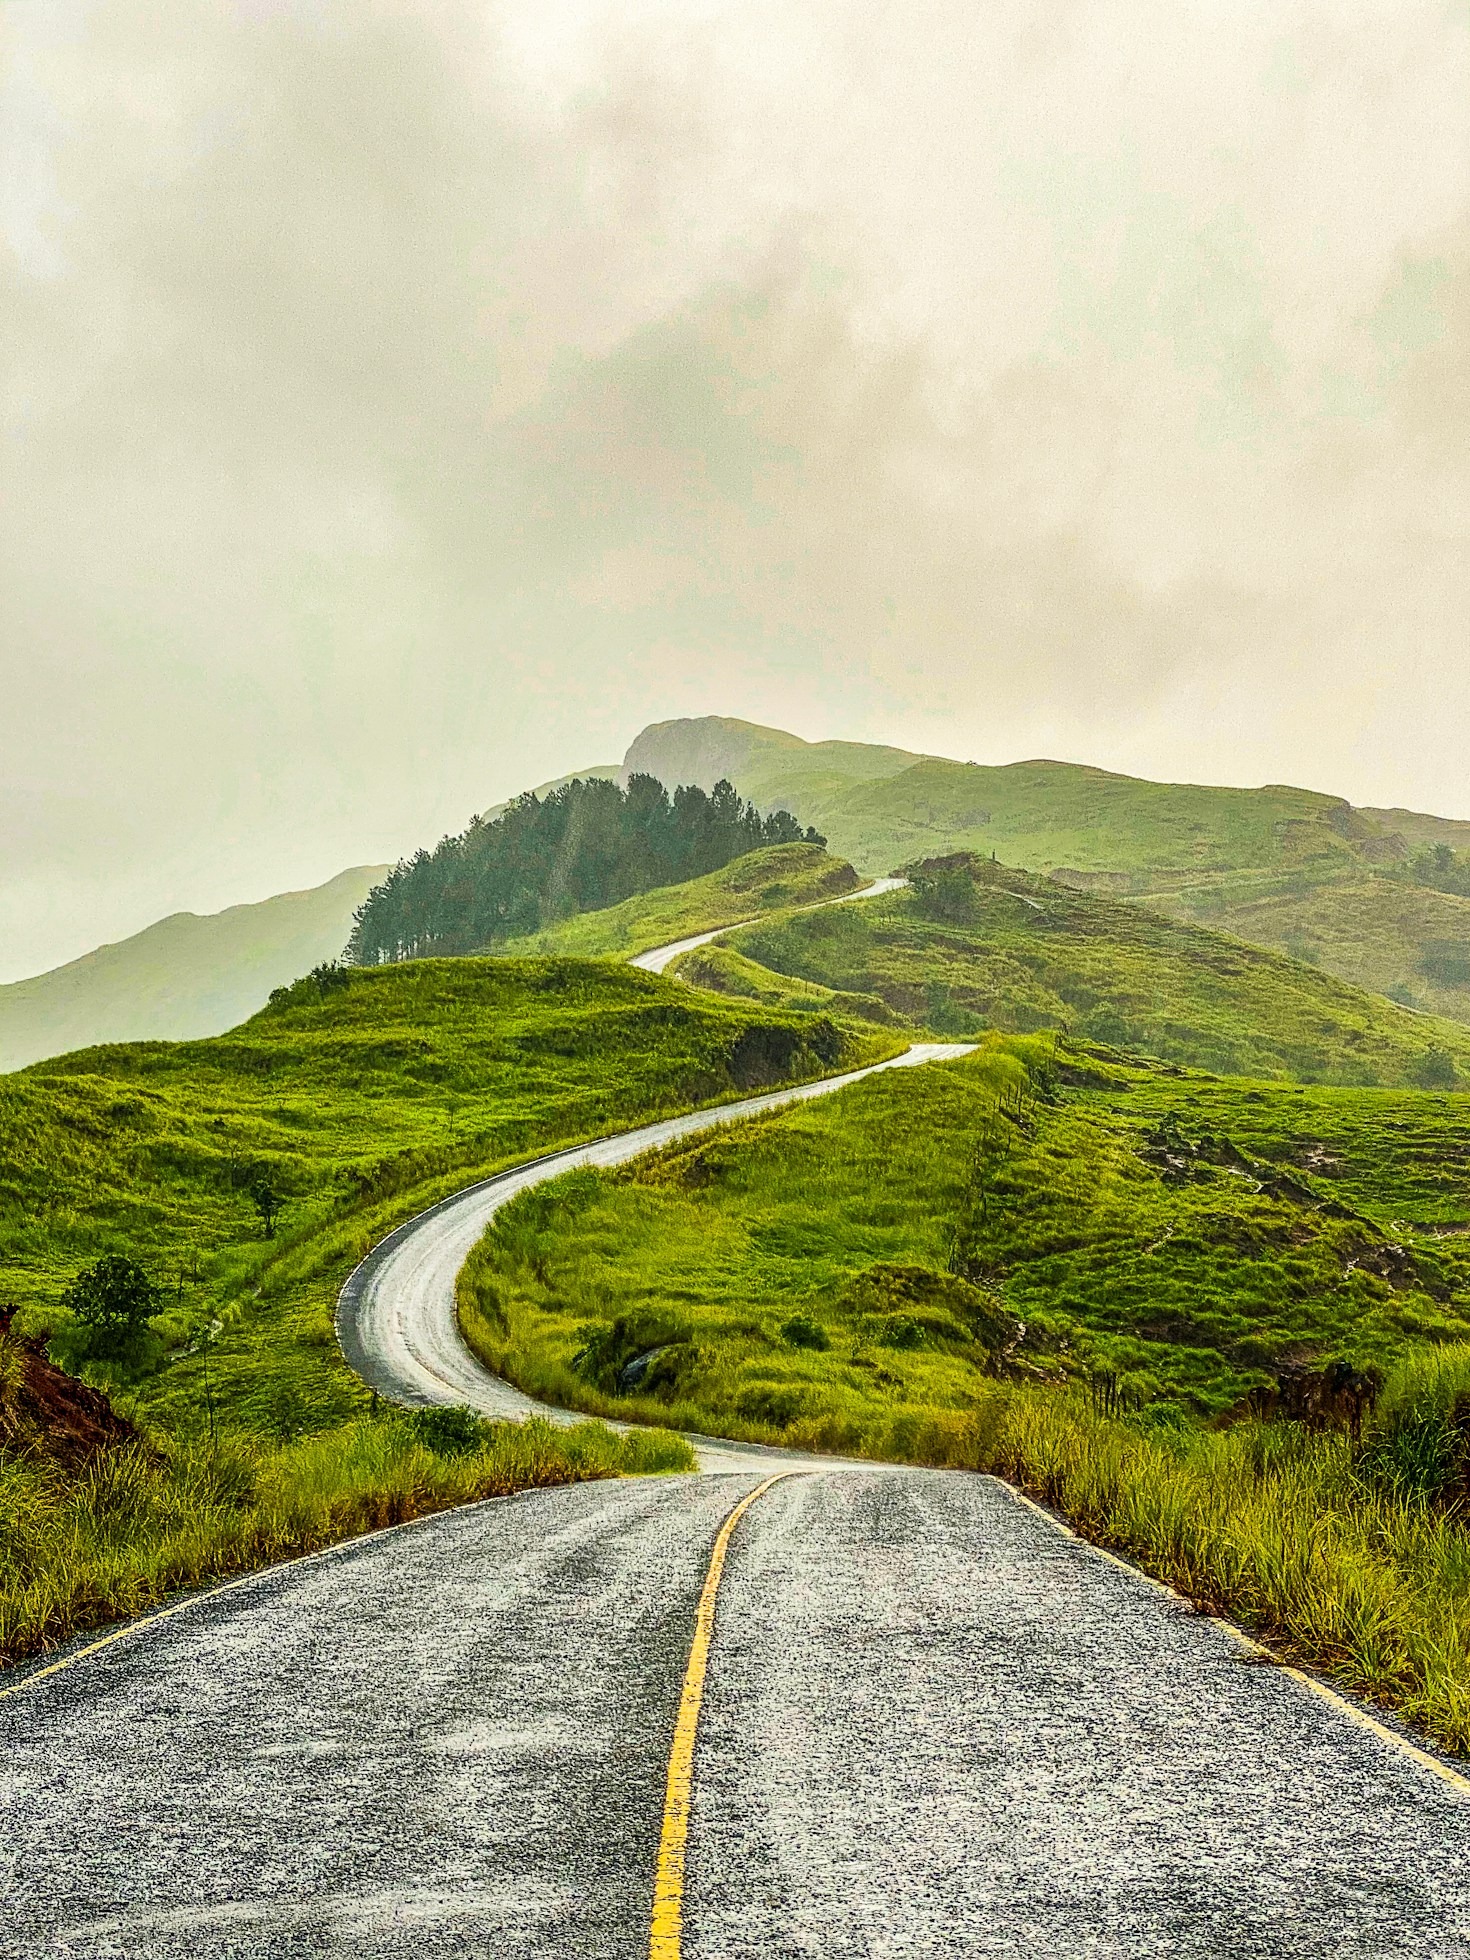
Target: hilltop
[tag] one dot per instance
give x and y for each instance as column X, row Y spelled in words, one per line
column 1293, row 869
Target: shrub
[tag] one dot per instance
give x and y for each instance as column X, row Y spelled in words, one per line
column 112, row 1301
column 801, row 1331
column 449, row 1429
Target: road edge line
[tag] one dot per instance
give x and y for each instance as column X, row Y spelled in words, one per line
column 1333, row 1696
column 666, row 1919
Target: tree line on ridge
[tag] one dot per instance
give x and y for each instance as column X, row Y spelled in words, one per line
column 578, row 848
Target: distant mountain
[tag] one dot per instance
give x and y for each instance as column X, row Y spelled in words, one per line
column 1293, row 869
column 184, row 976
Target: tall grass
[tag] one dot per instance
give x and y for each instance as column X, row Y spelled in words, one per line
column 78, row 1552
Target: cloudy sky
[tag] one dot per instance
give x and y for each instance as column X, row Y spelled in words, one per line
column 403, row 403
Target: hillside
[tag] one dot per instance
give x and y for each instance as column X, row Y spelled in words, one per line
column 184, row 977
column 1403, row 940
column 843, row 1268
column 976, row 945
column 761, row 881
column 357, row 1099
column 881, row 806
column 1257, row 862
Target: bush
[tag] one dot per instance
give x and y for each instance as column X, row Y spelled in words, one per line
column 801, row 1331
column 112, row 1301
column 1437, row 1070
column 642, row 1352
column 449, row 1429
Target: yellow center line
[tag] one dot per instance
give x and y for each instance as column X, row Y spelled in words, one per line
column 666, row 1926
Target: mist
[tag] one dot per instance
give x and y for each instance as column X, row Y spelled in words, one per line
column 403, row 404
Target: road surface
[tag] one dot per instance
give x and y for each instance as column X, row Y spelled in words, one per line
column 657, row 958
column 396, row 1316
column 932, row 1725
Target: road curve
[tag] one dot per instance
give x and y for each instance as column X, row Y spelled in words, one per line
column 657, row 958
column 396, row 1318
column 932, row 1726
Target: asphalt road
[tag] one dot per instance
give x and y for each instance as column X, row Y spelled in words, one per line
column 396, row 1316
column 932, row 1725
column 657, row 958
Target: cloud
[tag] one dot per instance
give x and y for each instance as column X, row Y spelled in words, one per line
column 406, row 402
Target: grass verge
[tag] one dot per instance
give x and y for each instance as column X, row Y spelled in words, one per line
column 141, row 1523
column 1284, row 1531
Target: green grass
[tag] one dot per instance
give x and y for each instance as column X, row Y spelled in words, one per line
column 1022, row 953
column 1191, row 1289
column 792, row 1281
column 77, row 1552
column 368, row 1099
column 1376, row 932
column 761, row 881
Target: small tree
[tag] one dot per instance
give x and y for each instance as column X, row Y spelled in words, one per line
column 265, row 1194
column 112, row 1300
column 1437, row 1070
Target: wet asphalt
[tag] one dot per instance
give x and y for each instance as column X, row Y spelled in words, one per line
column 933, row 1725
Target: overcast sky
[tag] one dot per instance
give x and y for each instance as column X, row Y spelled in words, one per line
column 405, row 403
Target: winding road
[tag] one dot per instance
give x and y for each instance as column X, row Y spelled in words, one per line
column 841, row 1712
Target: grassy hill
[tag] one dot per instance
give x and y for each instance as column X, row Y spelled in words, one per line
column 761, row 881
column 984, row 946
column 364, row 1097
column 1398, row 939
column 881, row 807
column 1180, row 1235
column 1289, row 868
column 183, row 977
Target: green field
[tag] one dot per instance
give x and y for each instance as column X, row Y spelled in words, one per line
column 365, row 1096
column 992, row 947
column 761, row 881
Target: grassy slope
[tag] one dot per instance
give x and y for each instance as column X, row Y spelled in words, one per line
column 365, row 1100
column 1035, row 954
column 1374, row 932
column 184, row 977
column 1189, row 1289
column 762, row 881
column 369, row 1100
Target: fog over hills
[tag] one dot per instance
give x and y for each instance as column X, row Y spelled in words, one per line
column 1293, row 869
column 184, row 976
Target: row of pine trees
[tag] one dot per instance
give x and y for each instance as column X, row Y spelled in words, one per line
column 585, row 845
